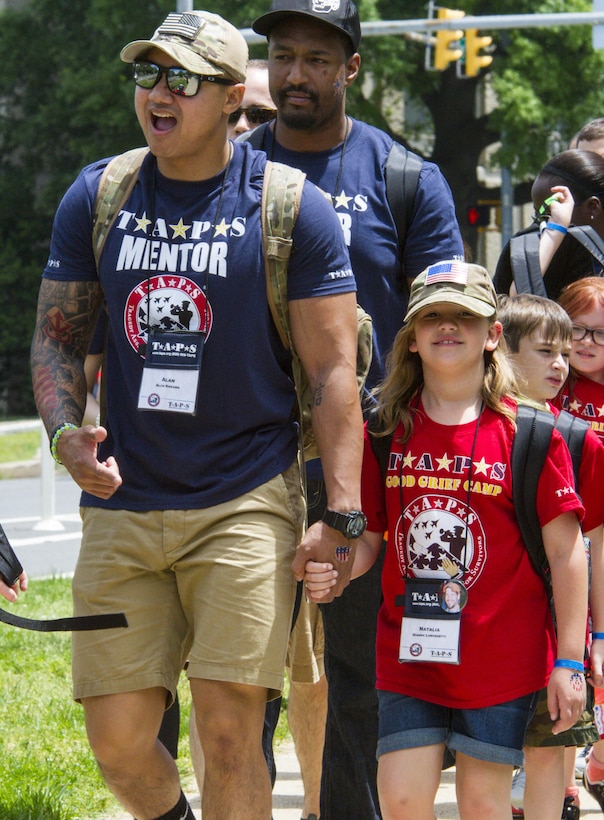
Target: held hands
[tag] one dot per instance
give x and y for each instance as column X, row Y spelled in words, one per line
column 326, row 547
column 10, row 593
column 77, row 450
column 565, row 698
column 319, row 580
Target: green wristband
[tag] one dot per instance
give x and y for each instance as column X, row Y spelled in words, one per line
column 56, row 435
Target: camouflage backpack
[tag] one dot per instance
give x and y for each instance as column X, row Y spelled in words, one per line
column 281, row 196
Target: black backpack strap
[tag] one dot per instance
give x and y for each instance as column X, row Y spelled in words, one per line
column 573, row 431
column 402, row 171
column 255, row 137
column 381, row 445
column 524, row 260
column 591, row 240
column 531, row 444
column 10, row 569
column 78, row 624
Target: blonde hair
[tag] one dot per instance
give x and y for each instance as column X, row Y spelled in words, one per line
column 404, row 377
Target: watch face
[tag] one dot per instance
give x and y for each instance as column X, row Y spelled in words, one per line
column 356, row 525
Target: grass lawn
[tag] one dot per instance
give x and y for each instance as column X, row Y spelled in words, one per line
column 19, row 446
column 47, row 771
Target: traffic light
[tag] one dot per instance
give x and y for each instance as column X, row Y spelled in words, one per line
column 474, row 60
column 479, row 216
column 448, row 49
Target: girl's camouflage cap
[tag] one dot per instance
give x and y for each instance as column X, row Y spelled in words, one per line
column 459, row 283
column 199, row 41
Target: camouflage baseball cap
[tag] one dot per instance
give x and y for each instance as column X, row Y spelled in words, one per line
column 199, row 41
column 339, row 14
column 459, row 283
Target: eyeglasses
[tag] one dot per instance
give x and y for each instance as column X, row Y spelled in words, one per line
column 255, row 114
column 180, row 81
column 580, row 332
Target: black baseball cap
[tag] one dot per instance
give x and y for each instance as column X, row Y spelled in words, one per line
column 339, row 14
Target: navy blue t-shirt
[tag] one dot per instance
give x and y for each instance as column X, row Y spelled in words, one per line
column 358, row 187
column 244, row 431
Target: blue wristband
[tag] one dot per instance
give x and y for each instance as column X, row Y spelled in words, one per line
column 553, row 226
column 597, row 636
column 562, row 663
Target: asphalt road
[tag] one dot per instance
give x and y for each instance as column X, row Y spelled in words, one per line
column 46, row 545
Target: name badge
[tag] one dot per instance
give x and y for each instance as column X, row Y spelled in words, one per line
column 170, row 379
column 431, row 621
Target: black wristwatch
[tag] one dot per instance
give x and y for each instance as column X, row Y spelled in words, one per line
column 351, row 524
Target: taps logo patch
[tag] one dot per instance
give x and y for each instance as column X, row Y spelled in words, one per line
column 437, row 541
column 171, row 303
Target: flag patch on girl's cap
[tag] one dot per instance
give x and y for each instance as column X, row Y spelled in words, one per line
column 456, row 272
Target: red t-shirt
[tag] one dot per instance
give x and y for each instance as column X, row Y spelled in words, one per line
column 586, row 400
column 591, row 471
column 507, row 641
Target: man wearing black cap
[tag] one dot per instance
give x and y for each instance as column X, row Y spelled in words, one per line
column 313, row 58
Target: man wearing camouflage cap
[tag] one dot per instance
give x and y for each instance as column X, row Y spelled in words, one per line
column 192, row 506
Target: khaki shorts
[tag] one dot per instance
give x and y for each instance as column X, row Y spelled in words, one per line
column 306, row 645
column 539, row 732
column 213, row 585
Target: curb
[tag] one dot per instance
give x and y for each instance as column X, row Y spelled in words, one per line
column 20, row 469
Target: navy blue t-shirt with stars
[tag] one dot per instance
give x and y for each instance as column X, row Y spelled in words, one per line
column 243, row 433
column 357, row 184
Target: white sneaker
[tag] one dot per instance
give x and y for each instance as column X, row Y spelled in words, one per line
column 518, row 784
column 581, row 761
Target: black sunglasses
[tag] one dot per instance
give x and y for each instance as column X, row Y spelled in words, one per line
column 255, row 114
column 180, row 81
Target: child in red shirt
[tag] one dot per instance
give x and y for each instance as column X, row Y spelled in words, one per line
column 467, row 681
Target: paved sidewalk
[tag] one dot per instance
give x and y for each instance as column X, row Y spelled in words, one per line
column 287, row 794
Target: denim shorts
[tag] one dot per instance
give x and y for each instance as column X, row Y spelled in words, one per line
column 494, row 734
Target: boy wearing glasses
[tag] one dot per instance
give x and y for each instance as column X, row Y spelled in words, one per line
column 192, row 507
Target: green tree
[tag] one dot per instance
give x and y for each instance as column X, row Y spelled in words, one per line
column 67, row 101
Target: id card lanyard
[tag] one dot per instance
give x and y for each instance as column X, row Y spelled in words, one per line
column 430, row 629
column 171, row 372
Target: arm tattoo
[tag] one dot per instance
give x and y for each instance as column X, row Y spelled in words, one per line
column 67, row 313
column 318, row 397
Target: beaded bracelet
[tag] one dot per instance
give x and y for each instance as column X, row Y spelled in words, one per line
column 562, row 663
column 553, row 226
column 56, row 435
column 597, row 636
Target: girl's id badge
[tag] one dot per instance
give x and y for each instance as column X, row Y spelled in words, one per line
column 432, row 620
column 171, row 373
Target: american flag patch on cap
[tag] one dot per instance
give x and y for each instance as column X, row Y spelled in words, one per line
column 456, row 272
column 183, row 25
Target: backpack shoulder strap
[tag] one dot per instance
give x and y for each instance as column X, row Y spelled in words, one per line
column 590, row 239
column 117, row 181
column 573, row 431
column 381, row 445
column 255, row 136
column 524, row 259
column 281, row 196
column 402, row 172
column 529, row 451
